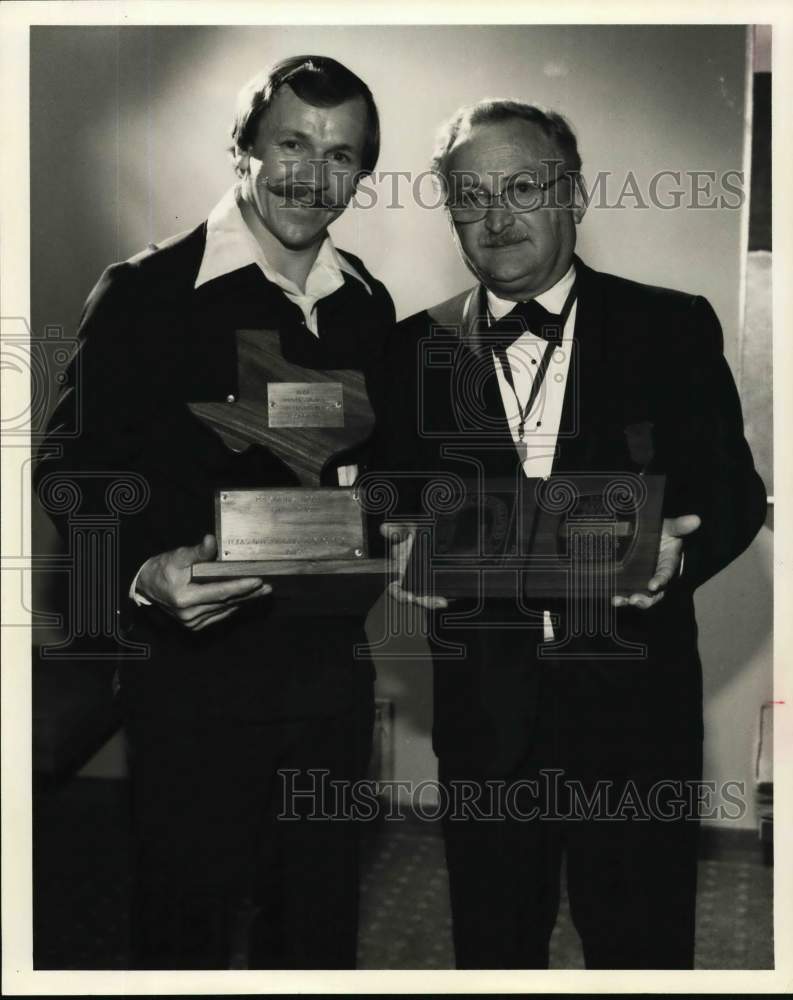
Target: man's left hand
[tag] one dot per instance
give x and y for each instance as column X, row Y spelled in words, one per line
column 673, row 532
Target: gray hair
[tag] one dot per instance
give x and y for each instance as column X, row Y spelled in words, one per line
column 554, row 126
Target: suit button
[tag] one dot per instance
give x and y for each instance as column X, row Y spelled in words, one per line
column 231, row 398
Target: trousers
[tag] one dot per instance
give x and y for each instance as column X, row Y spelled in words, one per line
column 609, row 790
column 234, row 815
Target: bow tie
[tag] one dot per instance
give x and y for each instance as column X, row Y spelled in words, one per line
column 526, row 315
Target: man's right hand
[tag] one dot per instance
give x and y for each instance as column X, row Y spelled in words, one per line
column 166, row 581
column 401, row 537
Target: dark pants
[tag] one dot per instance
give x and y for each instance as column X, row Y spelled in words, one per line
column 207, row 799
column 631, row 880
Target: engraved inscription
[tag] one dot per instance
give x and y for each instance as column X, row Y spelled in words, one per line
column 305, row 404
column 290, row 524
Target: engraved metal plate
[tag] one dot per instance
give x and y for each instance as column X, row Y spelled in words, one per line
column 590, row 512
column 289, row 524
column 305, row 404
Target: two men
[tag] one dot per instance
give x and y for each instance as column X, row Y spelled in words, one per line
column 552, row 743
column 233, row 693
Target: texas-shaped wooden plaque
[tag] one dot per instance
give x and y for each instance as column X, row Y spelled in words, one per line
column 313, row 539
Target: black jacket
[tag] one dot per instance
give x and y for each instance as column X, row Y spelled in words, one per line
column 645, row 358
column 150, row 343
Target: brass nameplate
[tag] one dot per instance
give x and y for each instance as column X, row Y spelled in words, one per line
column 305, row 404
column 284, row 523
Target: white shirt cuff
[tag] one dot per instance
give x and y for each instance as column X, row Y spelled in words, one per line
column 138, row 598
column 347, row 475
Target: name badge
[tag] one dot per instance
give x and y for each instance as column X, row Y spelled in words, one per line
column 305, row 404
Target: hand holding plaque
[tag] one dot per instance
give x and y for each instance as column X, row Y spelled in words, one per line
column 166, row 581
column 402, row 538
column 311, row 539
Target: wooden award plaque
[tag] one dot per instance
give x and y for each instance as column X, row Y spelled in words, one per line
column 311, row 538
column 542, row 538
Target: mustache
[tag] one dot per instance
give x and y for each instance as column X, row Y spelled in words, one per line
column 302, row 194
column 502, row 241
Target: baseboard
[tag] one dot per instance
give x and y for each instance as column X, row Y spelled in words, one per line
column 715, row 842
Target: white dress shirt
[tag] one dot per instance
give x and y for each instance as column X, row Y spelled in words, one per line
column 541, row 428
column 231, row 245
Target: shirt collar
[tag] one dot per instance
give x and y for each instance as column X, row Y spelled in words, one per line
column 230, row 245
column 552, row 299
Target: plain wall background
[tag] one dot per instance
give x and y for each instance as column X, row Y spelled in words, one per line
column 130, row 126
column 128, row 135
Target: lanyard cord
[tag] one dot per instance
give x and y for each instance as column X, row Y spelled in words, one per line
column 524, row 411
column 539, row 378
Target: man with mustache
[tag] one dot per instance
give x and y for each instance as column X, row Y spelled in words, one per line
column 552, row 743
column 231, row 695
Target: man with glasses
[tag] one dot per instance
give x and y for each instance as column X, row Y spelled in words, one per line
column 552, row 367
column 234, row 695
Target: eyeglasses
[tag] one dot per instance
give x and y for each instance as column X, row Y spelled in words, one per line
column 519, row 195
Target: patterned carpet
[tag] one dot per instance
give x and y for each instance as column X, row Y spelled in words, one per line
column 406, row 924
column 81, row 887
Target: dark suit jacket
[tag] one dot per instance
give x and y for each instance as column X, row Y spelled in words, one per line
column 149, row 344
column 648, row 370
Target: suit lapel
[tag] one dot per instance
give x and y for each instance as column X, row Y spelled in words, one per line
column 583, row 411
column 480, row 357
